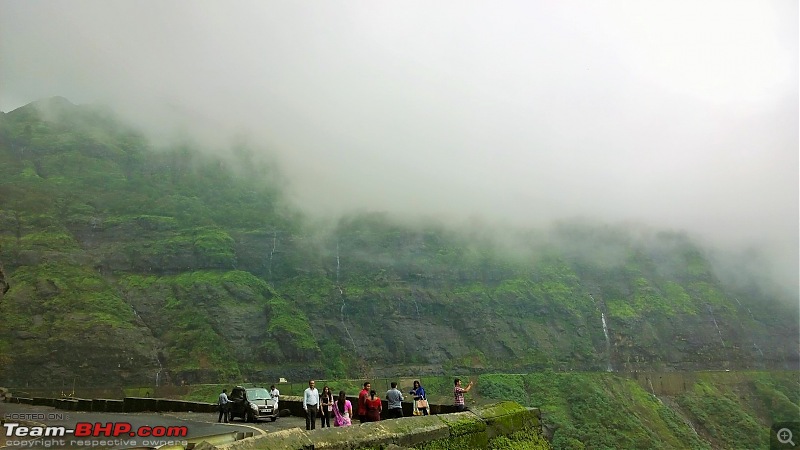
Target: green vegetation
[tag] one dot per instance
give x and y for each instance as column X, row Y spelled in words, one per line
column 67, row 298
column 131, row 265
column 521, row 440
column 610, row 411
column 595, row 410
column 291, row 330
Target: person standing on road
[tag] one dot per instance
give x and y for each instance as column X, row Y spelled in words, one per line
column 374, row 407
column 458, row 393
column 224, row 406
column 394, row 403
column 326, row 407
column 311, row 405
column 362, row 399
column 420, row 402
column 276, row 394
column 343, row 411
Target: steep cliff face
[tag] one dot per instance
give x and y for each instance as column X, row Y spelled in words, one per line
column 129, row 265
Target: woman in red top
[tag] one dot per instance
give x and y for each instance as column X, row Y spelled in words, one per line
column 374, row 407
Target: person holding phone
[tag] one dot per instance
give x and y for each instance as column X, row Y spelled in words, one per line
column 458, row 393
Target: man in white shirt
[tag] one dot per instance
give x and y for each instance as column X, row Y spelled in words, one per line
column 224, row 406
column 311, row 405
column 276, row 394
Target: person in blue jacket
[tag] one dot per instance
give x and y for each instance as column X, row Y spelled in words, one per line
column 419, row 394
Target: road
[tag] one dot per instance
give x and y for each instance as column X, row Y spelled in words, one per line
column 196, row 425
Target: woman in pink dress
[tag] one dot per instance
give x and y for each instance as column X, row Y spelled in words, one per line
column 342, row 411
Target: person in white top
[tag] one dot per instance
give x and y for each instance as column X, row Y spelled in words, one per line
column 276, row 394
column 224, row 406
column 311, row 405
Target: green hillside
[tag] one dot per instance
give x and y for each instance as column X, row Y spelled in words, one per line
column 702, row 410
column 600, row 410
column 130, row 264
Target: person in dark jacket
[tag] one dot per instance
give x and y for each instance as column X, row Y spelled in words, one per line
column 420, row 408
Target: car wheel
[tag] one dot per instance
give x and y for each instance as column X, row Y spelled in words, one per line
column 250, row 417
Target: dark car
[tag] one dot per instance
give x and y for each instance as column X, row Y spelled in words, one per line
column 251, row 404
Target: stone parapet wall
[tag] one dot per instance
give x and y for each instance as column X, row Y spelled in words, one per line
column 465, row 430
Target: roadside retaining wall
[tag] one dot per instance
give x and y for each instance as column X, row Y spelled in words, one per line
column 458, row 431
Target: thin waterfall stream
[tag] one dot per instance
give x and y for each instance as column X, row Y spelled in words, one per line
column 601, row 307
column 608, row 341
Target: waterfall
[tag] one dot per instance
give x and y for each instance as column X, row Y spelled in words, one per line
column 601, row 307
column 158, row 360
column 608, row 341
column 753, row 318
column 136, row 313
column 344, row 325
column 272, row 252
column 160, row 368
column 344, row 304
column 337, row 262
column 715, row 325
column 689, row 422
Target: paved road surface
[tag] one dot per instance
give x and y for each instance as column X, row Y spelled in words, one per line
column 197, row 424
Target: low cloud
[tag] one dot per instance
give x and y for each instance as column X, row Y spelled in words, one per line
column 682, row 115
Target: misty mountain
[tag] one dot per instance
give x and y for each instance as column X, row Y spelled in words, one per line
column 131, row 263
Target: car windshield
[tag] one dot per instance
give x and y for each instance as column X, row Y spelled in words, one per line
column 258, row 394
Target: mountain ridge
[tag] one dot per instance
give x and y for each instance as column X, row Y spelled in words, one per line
column 131, row 265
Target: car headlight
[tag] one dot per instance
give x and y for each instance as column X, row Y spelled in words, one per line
column 254, row 407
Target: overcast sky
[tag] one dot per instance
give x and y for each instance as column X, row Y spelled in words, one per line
column 678, row 114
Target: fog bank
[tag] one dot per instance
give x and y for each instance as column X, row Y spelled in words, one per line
column 682, row 115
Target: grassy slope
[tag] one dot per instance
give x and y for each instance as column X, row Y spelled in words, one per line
column 717, row 410
column 592, row 410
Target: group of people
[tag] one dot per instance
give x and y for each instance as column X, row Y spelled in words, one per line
column 370, row 406
column 326, row 407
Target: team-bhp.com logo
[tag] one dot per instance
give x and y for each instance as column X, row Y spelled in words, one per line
column 97, row 429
